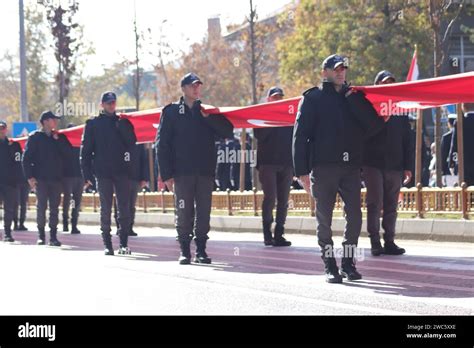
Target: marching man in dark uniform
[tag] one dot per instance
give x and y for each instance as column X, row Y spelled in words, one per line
column 106, row 144
column 275, row 170
column 10, row 161
column 21, row 202
column 187, row 161
column 446, row 140
column 45, row 156
column 73, row 187
column 22, row 192
column 387, row 160
column 468, row 140
column 327, row 142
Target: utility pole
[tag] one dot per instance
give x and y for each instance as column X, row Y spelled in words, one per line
column 23, row 92
column 253, row 75
column 137, row 58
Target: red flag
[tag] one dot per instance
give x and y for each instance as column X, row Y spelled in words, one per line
column 414, row 72
column 391, row 99
column 421, row 94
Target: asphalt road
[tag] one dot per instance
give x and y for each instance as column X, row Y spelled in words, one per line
column 245, row 278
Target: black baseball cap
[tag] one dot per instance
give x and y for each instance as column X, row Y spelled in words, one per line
column 452, row 118
column 275, row 91
column 383, row 76
column 48, row 115
column 190, row 79
column 334, row 61
column 108, row 97
column 3, row 124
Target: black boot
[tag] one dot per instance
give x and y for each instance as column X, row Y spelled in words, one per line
column 331, row 270
column 185, row 255
column 392, row 249
column 124, row 249
column 8, row 237
column 348, row 269
column 53, row 240
column 132, row 233
column 22, row 227
column 65, row 225
column 267, row 234
column 279, row 240
column 74, row 229
column 201, row 255
column 376, row 247
column 107, row 239
column 42, row 237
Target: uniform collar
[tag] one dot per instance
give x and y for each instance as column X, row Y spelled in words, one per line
column 329, row 87
column 48, row 134
column 103, row 113
column 181, row 102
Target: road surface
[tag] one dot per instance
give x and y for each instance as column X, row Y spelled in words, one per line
column 246, row 277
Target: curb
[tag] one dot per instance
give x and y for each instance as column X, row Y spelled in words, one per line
column 415, row 229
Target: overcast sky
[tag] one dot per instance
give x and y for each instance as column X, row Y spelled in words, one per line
column 108, row 24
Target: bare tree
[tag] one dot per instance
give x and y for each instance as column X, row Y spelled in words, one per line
column 63, row 27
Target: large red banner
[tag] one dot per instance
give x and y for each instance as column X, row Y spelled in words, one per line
column 397, row 98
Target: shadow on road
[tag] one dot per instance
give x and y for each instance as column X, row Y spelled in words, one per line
column 407, row 275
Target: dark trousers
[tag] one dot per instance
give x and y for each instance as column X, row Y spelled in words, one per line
column 326, row 182
column 48, row 193
column 106, row 187
column 383, row 189
column 72, row 196
column 276, row 183
column 8, row 197
column 21, row 202
column 193, row 199
column 134, row 188
column 469, row 176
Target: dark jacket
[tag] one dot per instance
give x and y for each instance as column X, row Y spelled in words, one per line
column 73, row 167
column 185, row 140
column 390, row 148
column 235, row 166
column 223, row 169
column 139, row 167
column 45, row 157
column 445, row 147
column 331, row 128
column 10, row 163
column 106, row 146
column 468, row 137
column 274, row 146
